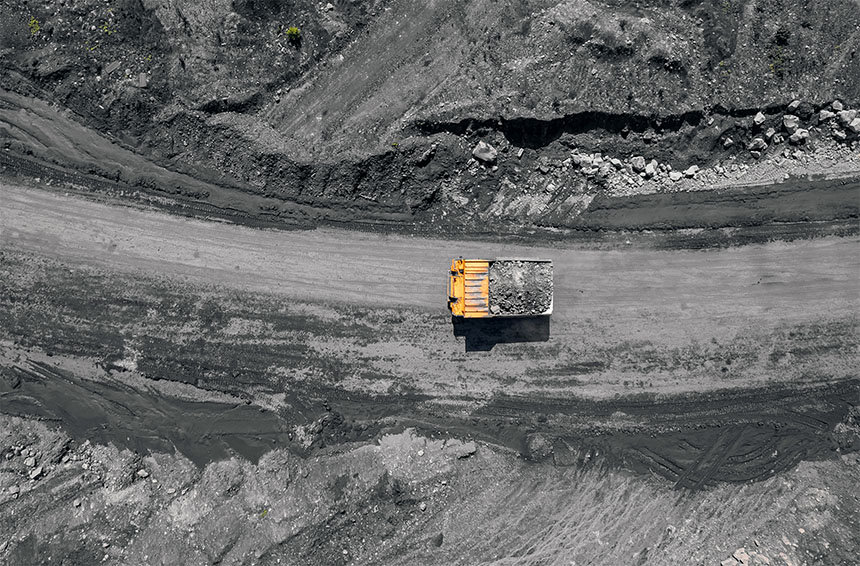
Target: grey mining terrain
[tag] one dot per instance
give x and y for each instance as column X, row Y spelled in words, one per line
column 226, row 228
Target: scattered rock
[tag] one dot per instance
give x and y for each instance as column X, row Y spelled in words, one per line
column 758, row 144
column 778, row 139
column 793, row 106
column 854, row 126
column 675, row 176
column 825, row 115
column 790, row 122
column 728, row 142
column 464, row 450
column 76, row 502
column 755, row 153
column 14, row 490
column 651, row 169
column 638, row 163
column 36, row 472
column 484, row 152
column 837, row 106
column 741, row 556
column 840, row 135
column 759, row 119
column 520, row 153
column 142, row 80
column 846, row 116
column 768, row 135
column 426, row 156
column 691, row 171
column 539, row 447
column 29, row 462
column 423, row 506
column 111, row 67
column 142, row 473
column 799, row 136
column 729, row 562
column 616, row 163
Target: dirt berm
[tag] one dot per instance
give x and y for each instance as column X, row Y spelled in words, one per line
column 520, row 287
column 375, row 114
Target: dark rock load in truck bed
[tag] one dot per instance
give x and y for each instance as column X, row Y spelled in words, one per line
column 520, row 287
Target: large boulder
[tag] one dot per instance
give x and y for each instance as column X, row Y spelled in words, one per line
column 485, row 153
column 638, row 163
column 651, row 168
column 799, row 136
column 854, row 126
column 790, row 122
column 757, row 144
column 846, row 116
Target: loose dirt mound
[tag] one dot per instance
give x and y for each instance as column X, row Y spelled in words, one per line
column 520, row 287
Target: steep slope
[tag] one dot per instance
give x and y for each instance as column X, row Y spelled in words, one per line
column 373, row 112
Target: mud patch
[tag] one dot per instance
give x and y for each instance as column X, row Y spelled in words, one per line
column 110, row 411
column 695, row 441
column 797, row 201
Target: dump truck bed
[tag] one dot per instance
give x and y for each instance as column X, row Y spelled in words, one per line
column 501, row 287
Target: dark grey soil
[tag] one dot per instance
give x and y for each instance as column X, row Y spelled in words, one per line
column 218, row 114
column 520, row 287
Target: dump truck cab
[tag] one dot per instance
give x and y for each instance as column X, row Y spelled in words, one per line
column 469, row 288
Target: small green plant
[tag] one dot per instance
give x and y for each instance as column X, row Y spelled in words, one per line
column 777, row 63
column 106, row 29
column 294, row 35
column 34, row 26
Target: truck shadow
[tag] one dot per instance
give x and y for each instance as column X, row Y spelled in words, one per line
column 483, row 333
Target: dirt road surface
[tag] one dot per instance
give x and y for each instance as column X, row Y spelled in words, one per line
column 626, row 321
column 779, row 280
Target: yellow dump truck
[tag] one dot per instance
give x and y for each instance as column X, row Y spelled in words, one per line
column 502, row 287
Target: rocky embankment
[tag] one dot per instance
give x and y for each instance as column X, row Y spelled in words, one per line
column 445, row 116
